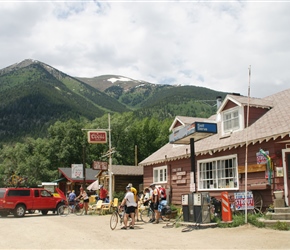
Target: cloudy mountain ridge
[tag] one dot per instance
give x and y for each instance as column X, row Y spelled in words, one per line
column 35, row 95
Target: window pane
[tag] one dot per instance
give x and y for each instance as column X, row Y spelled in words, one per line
column 218, row 174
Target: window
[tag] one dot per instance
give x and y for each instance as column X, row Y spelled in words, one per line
column 231, row 120
column 160, row 174
column 19, row 192
column 218, row 173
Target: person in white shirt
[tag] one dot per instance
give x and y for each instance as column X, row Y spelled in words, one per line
column 130, row 206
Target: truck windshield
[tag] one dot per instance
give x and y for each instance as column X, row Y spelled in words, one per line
column 2, row 192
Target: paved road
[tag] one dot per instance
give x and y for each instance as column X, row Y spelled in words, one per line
column 93, row 232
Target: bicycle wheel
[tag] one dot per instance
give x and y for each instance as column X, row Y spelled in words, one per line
column 78, row 211
column 63, row 210
column 114, row 220
column 258, row 203
column 146, row 215
column 166, row 217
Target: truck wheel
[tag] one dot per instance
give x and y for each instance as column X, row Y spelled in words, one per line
column 44, row 212
column 58, row 206
column 19, row 211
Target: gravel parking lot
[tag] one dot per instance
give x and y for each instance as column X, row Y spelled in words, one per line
column 93, row 232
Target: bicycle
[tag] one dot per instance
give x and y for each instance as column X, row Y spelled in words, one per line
column 176, row 221
column 118, row 214
column 147, row 214
column 66, row 209
column 15, row 180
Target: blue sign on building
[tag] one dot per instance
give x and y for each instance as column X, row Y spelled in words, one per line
column 196, row 130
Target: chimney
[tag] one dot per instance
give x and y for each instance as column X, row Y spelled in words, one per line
column 218, row 102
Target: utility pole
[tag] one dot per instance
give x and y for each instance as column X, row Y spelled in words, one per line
column 109, row 154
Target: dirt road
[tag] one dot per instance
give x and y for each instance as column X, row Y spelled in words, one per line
column 93, row 232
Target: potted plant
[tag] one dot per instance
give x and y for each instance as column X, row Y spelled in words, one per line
column 173, row 211
column 278, row 193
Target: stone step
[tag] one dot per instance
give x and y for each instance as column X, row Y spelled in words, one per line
column 282, row 210
column 278, row 216
column 270, row 223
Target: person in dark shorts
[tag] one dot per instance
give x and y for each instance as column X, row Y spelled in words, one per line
column 155, row 200
column 83, row 195
column 130, row 206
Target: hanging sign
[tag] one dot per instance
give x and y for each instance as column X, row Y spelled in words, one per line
column 196, row 130
column 97, row 137
column 77, row 171
column 100, row 165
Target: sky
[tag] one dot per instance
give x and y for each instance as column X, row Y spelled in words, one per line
column 230, row 46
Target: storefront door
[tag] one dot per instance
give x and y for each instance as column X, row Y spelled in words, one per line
column 286, row 165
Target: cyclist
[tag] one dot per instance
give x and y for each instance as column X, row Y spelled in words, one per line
column 136, row 198
column 71, row 199
column 83, row 194
column 130, row 207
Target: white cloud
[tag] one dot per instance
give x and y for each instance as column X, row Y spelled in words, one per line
column 208, row 44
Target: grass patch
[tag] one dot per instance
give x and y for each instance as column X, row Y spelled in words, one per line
column 279, row 225
column 239, row 220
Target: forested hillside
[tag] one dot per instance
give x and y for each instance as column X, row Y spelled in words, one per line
column 43, row 112
column 66, row 143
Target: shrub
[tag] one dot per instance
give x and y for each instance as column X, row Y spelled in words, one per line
column 119, row 195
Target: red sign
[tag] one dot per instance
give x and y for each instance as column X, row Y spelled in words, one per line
column 100, row 165
column 97, row 137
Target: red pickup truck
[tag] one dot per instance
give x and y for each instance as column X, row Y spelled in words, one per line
column 20, row 200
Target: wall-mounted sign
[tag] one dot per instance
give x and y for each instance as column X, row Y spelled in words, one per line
column 262, row 159
column 100, row 165
column 97, row 137
column 77, row 171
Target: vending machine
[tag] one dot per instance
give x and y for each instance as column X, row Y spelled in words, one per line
column 185, row 209
column 201, row 207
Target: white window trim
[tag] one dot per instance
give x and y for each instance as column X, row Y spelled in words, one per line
column 218, row 159
column 241, row 119
column 158, row 169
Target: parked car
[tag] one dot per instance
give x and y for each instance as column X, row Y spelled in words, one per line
column 19, row 200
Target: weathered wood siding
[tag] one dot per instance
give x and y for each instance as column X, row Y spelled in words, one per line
column 121, row 181
column 255, row 114
column 256, row 178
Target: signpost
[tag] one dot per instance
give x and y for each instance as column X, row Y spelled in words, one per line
column 194, row 131
column 100, row 136
column 240, row 201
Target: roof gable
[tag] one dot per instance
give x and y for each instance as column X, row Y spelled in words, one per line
column 273, row 124
column 90, row 174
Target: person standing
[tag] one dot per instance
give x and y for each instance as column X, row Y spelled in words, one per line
column 151, row 202
column 130, row 206
column 136, row 198
column 83, row 195
column 155, row 199
column 103, row 193
column 71, row 199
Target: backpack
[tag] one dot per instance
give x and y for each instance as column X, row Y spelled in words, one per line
column 162, row 193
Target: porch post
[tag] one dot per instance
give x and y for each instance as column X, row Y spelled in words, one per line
column 193, row 168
